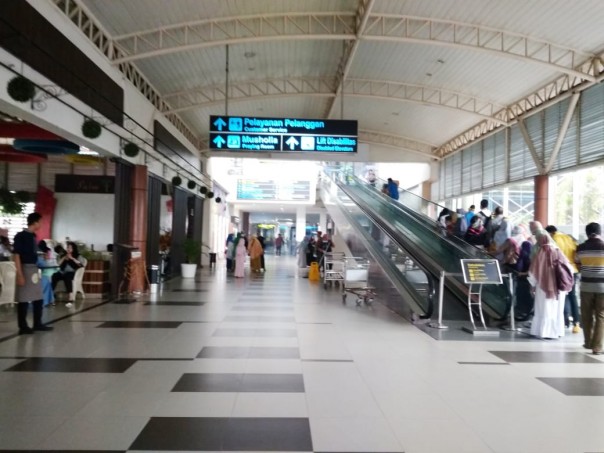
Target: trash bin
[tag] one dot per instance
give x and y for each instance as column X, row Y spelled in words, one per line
column 153, row 276
column 212, row 260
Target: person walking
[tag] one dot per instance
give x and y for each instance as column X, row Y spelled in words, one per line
column 255, row 251
column 278, row 244
column 590, row 258
column 29, row 284
column 568, row 246
column 240, row 254
column 392, row 189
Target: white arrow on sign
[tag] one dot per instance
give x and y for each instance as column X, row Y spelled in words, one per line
column 292, row 142
column 219, row 141
column 219, row 123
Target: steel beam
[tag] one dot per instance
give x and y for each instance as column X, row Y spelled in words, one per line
column 233, row 30
column 531, row 147
column 207, row 96
column 400, row 28
column 562, row 132
column 543, row 97
column 398, row 142
column 362, row 25
column 362, row 16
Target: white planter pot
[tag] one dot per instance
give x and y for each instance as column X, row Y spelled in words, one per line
column 188, row 270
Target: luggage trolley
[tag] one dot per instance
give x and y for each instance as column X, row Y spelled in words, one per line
column 356, row 276
column 334, row 267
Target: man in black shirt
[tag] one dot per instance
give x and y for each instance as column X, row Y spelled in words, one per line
column 29, row 284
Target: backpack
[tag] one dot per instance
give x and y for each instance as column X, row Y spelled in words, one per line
column 487, row 224
column 565, row 279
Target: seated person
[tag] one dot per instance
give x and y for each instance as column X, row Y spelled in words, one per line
column 69, row 263
column 6, row 249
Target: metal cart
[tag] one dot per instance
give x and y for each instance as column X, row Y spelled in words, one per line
column 356, row 276
column 334, row 267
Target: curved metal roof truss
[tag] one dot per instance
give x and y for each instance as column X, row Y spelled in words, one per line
column 393, row 28
column 373, row 89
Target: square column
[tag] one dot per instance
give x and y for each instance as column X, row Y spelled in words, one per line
column 300, row 223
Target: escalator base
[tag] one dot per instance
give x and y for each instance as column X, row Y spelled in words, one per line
column 481, row 332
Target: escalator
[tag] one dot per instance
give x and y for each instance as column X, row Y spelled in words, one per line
column 405, row 286
column 421, row 243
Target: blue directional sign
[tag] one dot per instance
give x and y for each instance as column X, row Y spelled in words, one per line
column 240, row 133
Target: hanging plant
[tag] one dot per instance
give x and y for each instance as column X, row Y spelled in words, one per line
column 218, row 199
column 203, row 190
column 210, row 195
column 91, row 128
column 131, row 149
column 176, row 181
column 9, row 203
column 191, row 185
column 21, row 89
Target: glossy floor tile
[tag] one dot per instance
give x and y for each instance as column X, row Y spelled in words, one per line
column 73, row 365
column 272, row 362
column 225, row 434
column 577, row 386
column 220, row 382
column 139, row 325
column 212, row 352
column 545, row 357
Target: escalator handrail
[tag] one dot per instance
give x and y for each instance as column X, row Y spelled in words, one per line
column 458, row 243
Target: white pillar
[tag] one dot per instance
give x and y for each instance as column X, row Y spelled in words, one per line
column 206, row 235
column 323, row 222
column 300, row 223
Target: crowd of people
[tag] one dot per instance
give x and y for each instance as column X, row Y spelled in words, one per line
column 313, row 249
column 548, row 266
column 238, row 248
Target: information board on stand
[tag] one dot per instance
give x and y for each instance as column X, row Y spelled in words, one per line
column 256, row 134
column 481, row 272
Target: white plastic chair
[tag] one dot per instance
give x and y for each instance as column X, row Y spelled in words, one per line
column 77, row 283
column 8, row 279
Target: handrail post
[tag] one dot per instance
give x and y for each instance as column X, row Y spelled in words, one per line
column 441, row 291
column 512, row 326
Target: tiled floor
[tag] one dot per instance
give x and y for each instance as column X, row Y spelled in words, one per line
column 277, row 363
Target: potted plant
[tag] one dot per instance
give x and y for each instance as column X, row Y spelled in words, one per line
column 192, row 251
column 91, row 128
column 21, row 89
column 131, row 149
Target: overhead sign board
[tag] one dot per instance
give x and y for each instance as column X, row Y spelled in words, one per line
column 271, row 190
column 482, row 272
column 241, row 133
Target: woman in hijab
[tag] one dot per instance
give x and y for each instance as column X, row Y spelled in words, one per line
column 524, row 297
column 548, row 321
column 536, row 229
column 476, row 234
column 255, row 251
column 503, row 233
column 442, row 216
column 230, row 248
column 240, row 254
column 302, row 251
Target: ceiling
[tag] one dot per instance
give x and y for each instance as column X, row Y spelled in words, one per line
column 423, row 70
